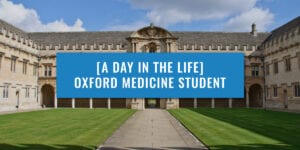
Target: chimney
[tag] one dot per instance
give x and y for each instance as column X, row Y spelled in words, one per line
column 253, row 31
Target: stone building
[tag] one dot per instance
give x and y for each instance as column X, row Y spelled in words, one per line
column 281, row 51
column 28, row 64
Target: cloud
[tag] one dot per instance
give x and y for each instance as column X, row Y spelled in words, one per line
column 235, row 15
column 28, row 19
column 168, row 12
column 262, row 18
column 127, row 27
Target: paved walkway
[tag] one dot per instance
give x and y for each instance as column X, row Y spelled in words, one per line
column 152, row 129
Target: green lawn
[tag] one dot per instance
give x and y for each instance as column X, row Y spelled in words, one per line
column 243, row 129
column 60, row 128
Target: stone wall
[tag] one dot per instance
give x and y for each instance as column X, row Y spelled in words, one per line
column 277, row 50
column 18, row 78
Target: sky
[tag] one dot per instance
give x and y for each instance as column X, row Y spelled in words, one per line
column 130, row 15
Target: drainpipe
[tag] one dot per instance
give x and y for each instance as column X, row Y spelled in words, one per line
column 39, row 97
column 264, row 77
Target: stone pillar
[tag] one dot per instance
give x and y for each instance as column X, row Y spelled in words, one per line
column 230, row 102
column 132, row 47
column 172, row 103
column 247, row 99
column 212, row 103
column 264, row 100
column 195, row 102
column 108, row 103
column 167, row 47
column 91, row 103
column 73, row 102
column 40, row 102
column 143, row 103
column 55, row 101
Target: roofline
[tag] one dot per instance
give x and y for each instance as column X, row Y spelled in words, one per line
column 285, row 24
column 135, row 31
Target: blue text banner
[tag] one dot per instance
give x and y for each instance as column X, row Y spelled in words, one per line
column 150, row 75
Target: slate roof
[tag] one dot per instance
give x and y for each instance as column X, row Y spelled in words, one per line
column 287, row 27
column 56, row 38
column 11, row 28
column 118, row 37
column 220, row 38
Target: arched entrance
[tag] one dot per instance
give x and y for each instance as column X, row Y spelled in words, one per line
column 47, row 95
column 255, row 95
column 152, row 47
column 152, row 103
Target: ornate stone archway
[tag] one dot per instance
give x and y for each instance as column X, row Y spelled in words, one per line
column 141, row 40
column 152, row 39
column 151, row 47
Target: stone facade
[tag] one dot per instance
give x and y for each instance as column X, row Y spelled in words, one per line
column 18, row 72
column 282, row 61
column 32, row 82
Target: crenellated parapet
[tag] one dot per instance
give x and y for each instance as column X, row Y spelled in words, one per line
column 84, row 47
column 244, row 42
column 51, row 50
column 18, row 41
column 216, row 47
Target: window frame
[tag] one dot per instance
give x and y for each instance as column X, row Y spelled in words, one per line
column 13, row 63
column 47, row 70
column 25, row 64
column 5, row 91
column 297, row 90
column 27, row 92
column 275, row 67
column 35, row 92
column 287, row 63
column 275, row 91
column 1, row 57
column 35, row 69
column 254, row 70
column 267, row 91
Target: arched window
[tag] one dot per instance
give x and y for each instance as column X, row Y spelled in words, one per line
column 152, row 47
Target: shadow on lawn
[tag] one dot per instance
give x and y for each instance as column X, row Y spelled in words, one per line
column 279, row 126
column 76, row 147
column 42, row 147
column 252, row 147
column 218, row 147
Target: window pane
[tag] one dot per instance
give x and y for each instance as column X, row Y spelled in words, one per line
column 45, row 71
